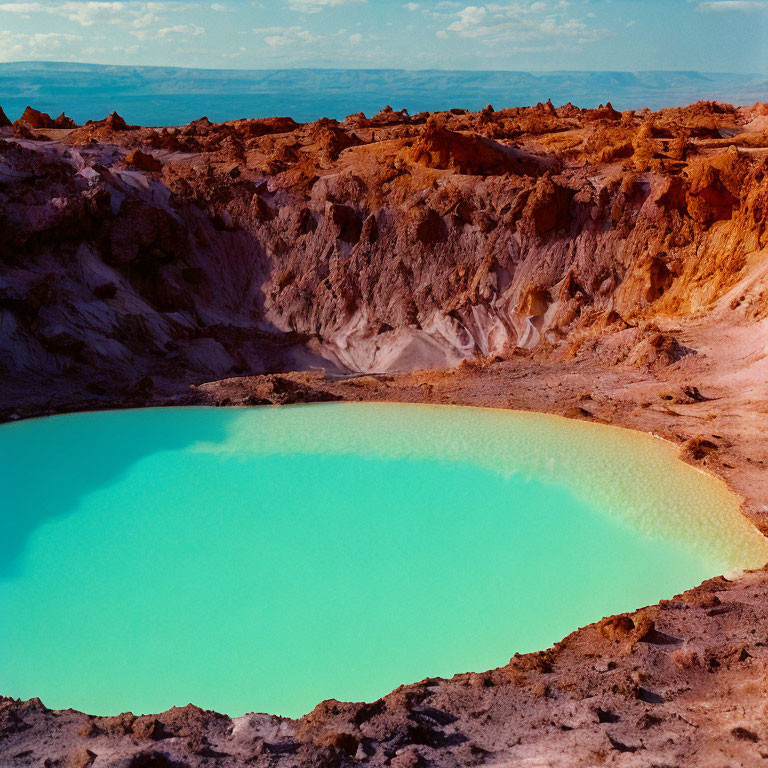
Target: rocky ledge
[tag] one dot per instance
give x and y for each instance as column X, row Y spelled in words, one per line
column 601, row 265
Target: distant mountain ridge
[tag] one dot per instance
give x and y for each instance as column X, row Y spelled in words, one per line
column 174, row 95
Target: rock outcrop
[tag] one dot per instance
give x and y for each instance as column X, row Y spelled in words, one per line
column 95, row 131
column 143, row 161
column 438, row 147
column 36, row 119
column 62, row 121
column 411, row 244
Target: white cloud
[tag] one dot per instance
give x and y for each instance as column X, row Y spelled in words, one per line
column 23, row 9
column 279, row 37
column 89, row 13
column 93, row 12
column 536, row 23
column 183, row 30
column 128, row 50
column 315, row 6
column 356, row 39
column 238, row 54
column 40, row 45
column 143, row 21
column 470, row 17
column 412, row 7
column 220, row 8
column 732, row 5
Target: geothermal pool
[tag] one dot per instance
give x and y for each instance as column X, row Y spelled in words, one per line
column 266, row 559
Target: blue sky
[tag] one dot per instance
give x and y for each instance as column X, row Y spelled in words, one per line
column 708, row 35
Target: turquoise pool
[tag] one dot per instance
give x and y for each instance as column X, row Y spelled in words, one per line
column 265, row 559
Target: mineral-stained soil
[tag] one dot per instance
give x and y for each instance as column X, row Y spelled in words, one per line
column 601, row 265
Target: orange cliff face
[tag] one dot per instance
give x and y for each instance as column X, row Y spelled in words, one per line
column 381, row 243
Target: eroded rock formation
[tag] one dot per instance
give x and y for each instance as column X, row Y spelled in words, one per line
column 36, row 119
column 372, row 245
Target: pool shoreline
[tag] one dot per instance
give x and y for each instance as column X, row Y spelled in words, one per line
column 545, row 485
column 207, row 395
column 531, row 680
column 682, row 454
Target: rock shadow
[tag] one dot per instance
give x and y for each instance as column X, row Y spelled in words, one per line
column 48, row 465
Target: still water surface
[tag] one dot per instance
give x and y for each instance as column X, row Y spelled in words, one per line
column 266, row 559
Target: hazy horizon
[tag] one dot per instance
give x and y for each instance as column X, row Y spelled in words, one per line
column 530, row 70
column 509, row 35
column 156, row 95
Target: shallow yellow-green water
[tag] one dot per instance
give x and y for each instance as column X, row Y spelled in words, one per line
column 266, row 559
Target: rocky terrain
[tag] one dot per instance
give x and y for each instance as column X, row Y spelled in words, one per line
column 599, row 264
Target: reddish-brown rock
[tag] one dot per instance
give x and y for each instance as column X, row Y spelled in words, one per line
column 714, row 186
column 548, row 206
column 22, row 129
column 114, row 122
column 143, row 161
column 264, row 126
column 112, row 128
column 606, row 112
column 37, row 119
column 438, row 147
column 62, row 121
